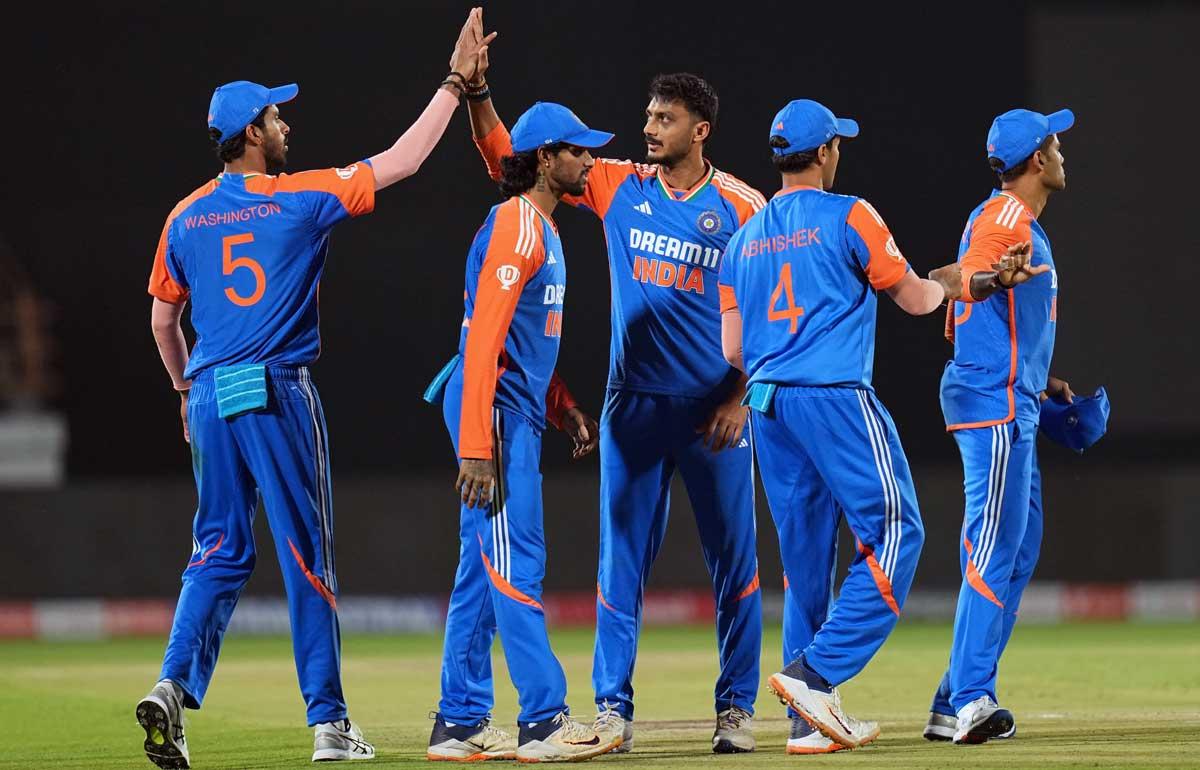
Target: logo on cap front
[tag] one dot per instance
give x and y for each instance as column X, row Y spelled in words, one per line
column 779, row 126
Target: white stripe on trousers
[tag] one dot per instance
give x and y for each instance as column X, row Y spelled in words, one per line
column 887, row 479
column 501, row 551
column 322, row 481
column 997, row 476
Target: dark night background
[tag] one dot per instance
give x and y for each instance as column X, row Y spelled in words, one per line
column 103, row 120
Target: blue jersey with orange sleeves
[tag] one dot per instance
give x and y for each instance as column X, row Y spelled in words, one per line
column 804, row 273
column 516, row 279
column 1002, row 345
column 664, row 251
column 248, row 250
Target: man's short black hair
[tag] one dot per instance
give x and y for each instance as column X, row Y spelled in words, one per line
column 1014, row 173
column 235, row 146
column 692, row 91
column 518, row 172
column 793, row 163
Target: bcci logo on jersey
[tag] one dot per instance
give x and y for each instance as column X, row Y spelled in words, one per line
column 709, row 222
column 508, row 275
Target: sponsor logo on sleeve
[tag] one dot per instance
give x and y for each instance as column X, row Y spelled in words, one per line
column 508, row 275
column 347, row 172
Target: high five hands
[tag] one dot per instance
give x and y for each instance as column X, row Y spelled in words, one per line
column 470, row 50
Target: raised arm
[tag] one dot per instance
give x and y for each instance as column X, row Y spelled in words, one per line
column 403, row 158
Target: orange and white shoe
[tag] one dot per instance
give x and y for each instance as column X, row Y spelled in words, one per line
column 562, row 739
column 806, row 739
column 461, row 743
column 822, row 710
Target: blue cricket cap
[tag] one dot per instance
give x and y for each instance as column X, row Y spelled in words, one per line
column 1017, row 133
column 549, row 123
column 235, row 105
column 1076, row 425
column 806, row 125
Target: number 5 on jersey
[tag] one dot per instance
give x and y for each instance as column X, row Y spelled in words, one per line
column 229, row 264
column 791, row 312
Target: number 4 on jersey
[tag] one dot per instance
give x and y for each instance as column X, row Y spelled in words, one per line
column 791, row 312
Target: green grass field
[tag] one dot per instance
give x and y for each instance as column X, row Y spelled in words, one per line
column 1094, row 695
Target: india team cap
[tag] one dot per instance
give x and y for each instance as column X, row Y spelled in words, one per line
column 235, row 105
column 549, row 123
column 1017, row 133
column 806, row 125
column 1076, row 425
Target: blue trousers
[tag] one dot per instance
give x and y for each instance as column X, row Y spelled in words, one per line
column 1001, row 540
column 280, row 454
column 644, row 439
column 824, row 453
column 498, row 585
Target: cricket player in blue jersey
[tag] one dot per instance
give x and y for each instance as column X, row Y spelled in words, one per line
column 498, row 394
column 247, row 249
column 798, row 287
column 992, row 393
column 673, row 402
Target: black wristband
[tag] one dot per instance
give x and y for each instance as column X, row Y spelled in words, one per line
column 481, row 95
column 452, row 82
column 462, row 80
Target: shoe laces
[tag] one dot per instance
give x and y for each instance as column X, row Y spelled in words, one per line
column 492, row 733
column 608, row 717
column 572, row 730
column 733, row 718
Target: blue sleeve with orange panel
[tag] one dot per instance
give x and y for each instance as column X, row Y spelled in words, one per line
column 502, row 278
column 167, row 280
column 1003, row 222
column 602, row 182
column 873, row 246
column 332, row 194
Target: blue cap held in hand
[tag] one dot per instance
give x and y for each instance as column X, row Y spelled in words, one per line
column 1015, row 135
column 806, row 125
column 549, row 123
column 235, row 105
column 1076, row 425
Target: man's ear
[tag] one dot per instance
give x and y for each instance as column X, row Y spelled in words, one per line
column 822, row 154
column 254, row 134
column 701, row 131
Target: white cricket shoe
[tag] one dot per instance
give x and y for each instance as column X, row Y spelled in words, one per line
column 823, row 710
column 610, row 722
column 733, row 735
column 980, row 720
column 562, row 739
column 459, row 743
column 340, row 740
column 160, row 714
column 805, row 739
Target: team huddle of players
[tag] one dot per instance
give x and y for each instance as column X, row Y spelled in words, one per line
column 742, row 329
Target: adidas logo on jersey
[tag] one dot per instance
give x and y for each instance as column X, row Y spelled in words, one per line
column 550, row 258
column 644, row 207
column 743, row 443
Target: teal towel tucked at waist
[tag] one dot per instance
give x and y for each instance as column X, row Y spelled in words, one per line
column 437, row 388
column 240, row 389
column 759, row 396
